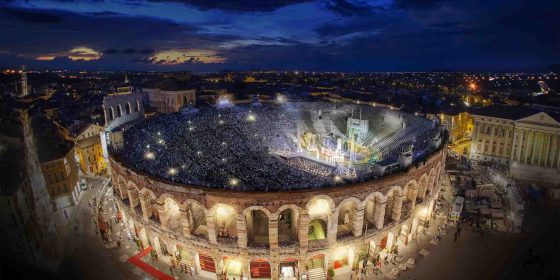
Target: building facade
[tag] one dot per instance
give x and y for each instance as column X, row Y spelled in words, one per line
column 170, row 101
column 89, row 150
column 276, row 235
column 525, row 139
column 459, row 125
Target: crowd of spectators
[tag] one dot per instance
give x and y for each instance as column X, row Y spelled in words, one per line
column 227, row 148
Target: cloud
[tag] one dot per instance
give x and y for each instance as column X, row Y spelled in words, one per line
column 238, row 5
column 31, row 16
column 75, row 54
column 128, row 51
column 180, row 56
column 417, row 4
column 349, row 7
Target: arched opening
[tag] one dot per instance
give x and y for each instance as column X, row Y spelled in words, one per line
column 137, row 106
column 172, row 214
column 288, row 269
column 184, row 259
column 226, row 226
column 431, row 183
column 374, row 216
column 135, row 201
column 317, row 230
column 402, row 237
column 233, row 268
column 389, row 207
column 128, row 108
column 111, row 113
column 205, row 265
column 119, row 111
column 197, row 220
column 346, row 215
column 287, row 227
column 316, row 267
column 386, row 243
column 260, row 268
column 257, row 228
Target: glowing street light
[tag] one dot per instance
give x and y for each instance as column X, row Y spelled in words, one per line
column 172, row 171
column 251, row 118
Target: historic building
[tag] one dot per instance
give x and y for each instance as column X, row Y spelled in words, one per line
column 89, row 150
column 121, row 106
column 58, row 165
column 524, row 138
column 276, row 235
column 458, row 124
column 169, row 101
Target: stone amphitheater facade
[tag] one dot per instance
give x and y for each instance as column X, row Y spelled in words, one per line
column 202, row 230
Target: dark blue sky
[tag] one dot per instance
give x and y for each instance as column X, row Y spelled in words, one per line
column 324, row 35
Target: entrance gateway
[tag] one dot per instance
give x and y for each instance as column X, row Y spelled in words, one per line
column 288, row 269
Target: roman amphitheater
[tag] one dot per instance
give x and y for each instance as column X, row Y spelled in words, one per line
column 290, row 191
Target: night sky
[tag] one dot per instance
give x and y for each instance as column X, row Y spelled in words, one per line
column 324, row 35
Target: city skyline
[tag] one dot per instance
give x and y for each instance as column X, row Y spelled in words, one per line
column 384, row 35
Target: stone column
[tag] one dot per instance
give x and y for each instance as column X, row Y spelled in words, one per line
column 412, row 195
column 303, row 230
column 332, row 228
column 274, row 270
column 273, row 233
column 161, row 214
column 358, row 220
column 184, row 222
column 397, row 206
column 132, row 198
column 146, row 205
column 241, row 231
column 211, row 227
column 379, row 213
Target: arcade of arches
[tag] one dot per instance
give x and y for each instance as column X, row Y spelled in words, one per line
column 226, row 239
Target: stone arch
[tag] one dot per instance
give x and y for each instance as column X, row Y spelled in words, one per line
column 394, row 198
column 374, row 210
column 111, row 113
column 169, row 212
column 119, row 111
column 128, row 108
column 196, row 217
column 225, row 222
column 431, row 182
column 288, row 223
column 318, row 229
column 133, row 197
column 318, row 209
column 147, row 200
column 137, row 106
column 411, row 190
column 350, row 217
column 260, row 268
column 257, row 219
column 422, row 187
